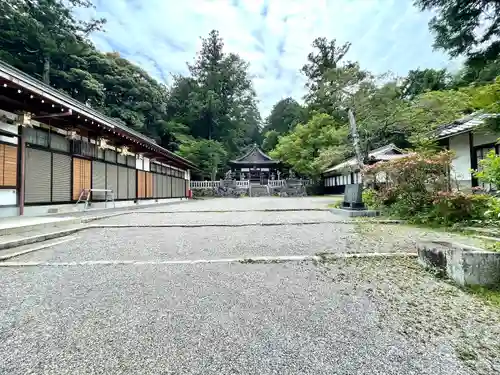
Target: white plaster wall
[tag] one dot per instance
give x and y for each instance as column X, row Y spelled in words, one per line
column 482, row 137
column 8, row 197
column 461, row 164
column 138, row 163
column 11, row 129
column 146, row 164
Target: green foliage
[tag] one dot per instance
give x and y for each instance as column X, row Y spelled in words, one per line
column 285, row 115
column 489, row 169
column 431, row 109
column 304, row 149
column 216, row 101
column 370, row 199
column 271, row 139
column 469, row 28
column 455, row 207
column 421, row 81
column 417, row 188
column 493, row 210
column 208, row 155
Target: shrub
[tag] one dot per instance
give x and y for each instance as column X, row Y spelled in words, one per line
column 198, row 192
column 453, row 207
column 489, row 169
column 410, row 184
column 493, row 209
column 417, row 188
column 371, row 199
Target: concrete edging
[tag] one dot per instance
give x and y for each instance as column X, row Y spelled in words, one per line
column 38, row 238
column 28, row 228
column 466, row 265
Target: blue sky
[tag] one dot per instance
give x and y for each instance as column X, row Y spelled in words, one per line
column 273, row 35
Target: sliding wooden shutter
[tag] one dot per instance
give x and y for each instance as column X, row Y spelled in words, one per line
column 82, row 177
column 141, row 184
column 8, row 165
column 149, row 185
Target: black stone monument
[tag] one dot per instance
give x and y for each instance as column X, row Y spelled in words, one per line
column 353, row 197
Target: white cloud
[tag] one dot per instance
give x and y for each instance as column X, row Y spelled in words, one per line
column 274, row 36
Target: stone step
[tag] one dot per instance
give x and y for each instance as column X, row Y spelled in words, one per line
column 259, row 191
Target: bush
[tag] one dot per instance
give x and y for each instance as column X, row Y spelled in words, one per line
column 453, row 207
column 198, row 193
column 371, row 199
column 493, row 210
column 417, row 188
column 489, row 169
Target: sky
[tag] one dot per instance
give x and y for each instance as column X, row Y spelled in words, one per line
column 274, row 36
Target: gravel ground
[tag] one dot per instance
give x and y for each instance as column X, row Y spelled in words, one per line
column 348, row 317
column 248, row 204
column 227, row 242
column 217, row 218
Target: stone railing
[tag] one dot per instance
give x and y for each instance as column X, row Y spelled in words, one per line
column 204, row 184
column 240, row 183
column 214, row 184
column 276, row 183
column 243, row 184
column 280, row 183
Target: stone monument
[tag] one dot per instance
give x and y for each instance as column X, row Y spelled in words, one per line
column 352, row 204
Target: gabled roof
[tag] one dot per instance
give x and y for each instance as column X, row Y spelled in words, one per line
column 255, row 156
column 387, row 152
column 11, row 76
column 463, row 125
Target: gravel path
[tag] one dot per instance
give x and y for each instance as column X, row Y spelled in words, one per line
column 346, row 318
column 226, row 218
column 248, row 204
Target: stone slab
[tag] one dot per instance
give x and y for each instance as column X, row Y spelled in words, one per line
column 354, row 213
column 466, row 265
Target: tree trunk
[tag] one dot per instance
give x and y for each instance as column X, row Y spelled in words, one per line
column 46, row 70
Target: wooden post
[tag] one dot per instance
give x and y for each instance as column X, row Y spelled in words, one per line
column 22, row 162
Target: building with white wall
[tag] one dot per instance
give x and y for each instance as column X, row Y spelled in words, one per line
column 337, row 177
column 470, row 140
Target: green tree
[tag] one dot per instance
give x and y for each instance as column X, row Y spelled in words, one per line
column 378, row 115
column 284, row 115
column 313, row 146
column 420, row 81
column 469, row 28
column 432, row 109
column 270, row 140
column 43, row 37
column 225, row 99
column 208, row 155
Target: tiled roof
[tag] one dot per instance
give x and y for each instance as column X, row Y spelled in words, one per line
column 255, row 155
column 386, row 152
column 463, row 124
